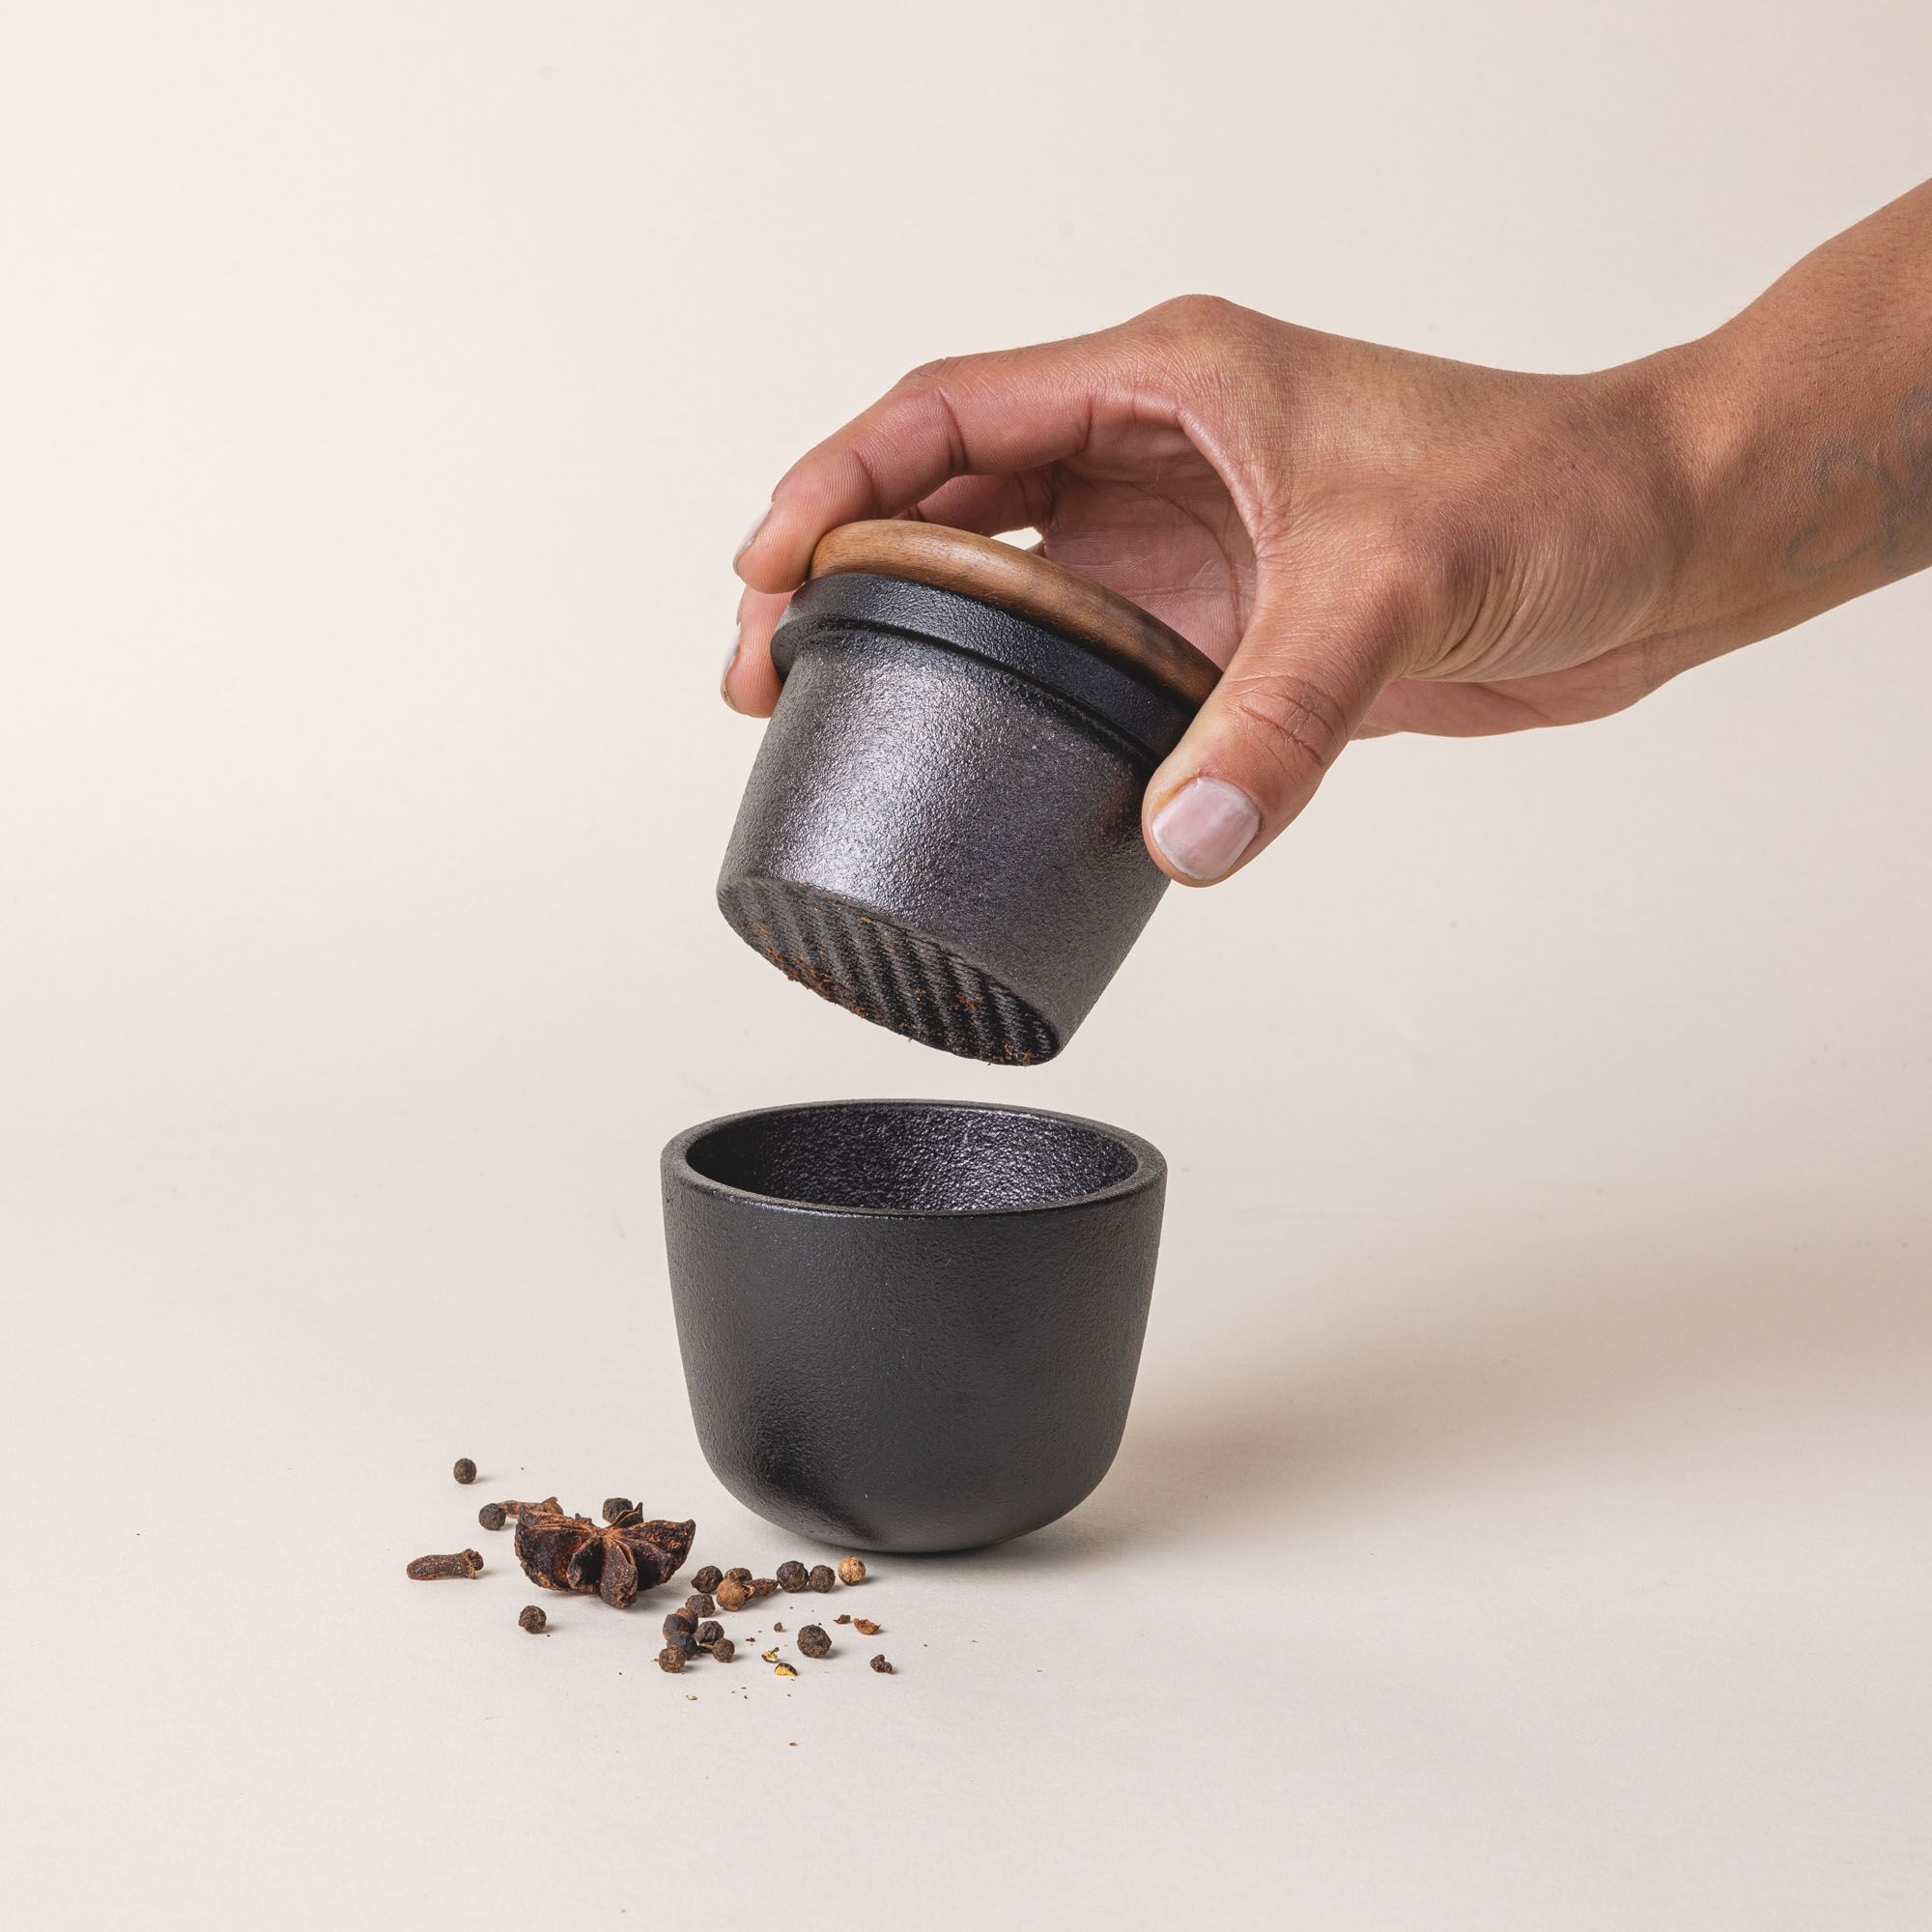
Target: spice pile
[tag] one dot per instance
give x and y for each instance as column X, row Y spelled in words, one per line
column 629, row 1553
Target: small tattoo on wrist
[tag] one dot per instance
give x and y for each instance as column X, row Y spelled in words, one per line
column 1890, row 491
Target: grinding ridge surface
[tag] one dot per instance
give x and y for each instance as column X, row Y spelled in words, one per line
column 886, row 974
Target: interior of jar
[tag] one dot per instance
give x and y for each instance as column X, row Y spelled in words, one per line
column 927, row 1159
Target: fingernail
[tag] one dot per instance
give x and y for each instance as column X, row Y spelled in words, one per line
column 750, row 536
column 1204, row 829
column 730, row 658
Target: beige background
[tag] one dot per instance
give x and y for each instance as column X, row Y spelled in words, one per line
column 1522, row 1523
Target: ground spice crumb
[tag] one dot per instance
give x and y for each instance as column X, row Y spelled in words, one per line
column 821, row 1577
column 783, row 1670
column 708, row 1578
column 851, row 1570
column 492, row 1515
column 866, row 1627
column 880, row 1664
column 792, row 1577
column 464, row 1471
column 426, row 1569
column 843, row 1617
column 813, row 1642
column 776, row 1625
column 533, row 1620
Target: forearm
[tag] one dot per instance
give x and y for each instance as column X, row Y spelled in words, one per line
column 1805, row 427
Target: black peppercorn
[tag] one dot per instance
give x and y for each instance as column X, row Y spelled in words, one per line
column 533, row 1620
column 743, row 1577
column 708, row 1578
column 708, row 1633
column 464, row 1471
column 792, row 1577
column 700, row 1605
column 616, row 1506
column 813, row 1641
column 880, row 1664
column 821, row 1577
column 851, row 1570
column 492, row 1516
column 680, row 1629
column 671, row 1658
column 723, row 1650
column 733, row 1595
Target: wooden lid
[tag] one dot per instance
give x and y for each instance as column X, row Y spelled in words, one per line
column 1026, row 584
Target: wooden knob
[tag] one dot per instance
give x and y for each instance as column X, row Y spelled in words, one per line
column 1026, row 584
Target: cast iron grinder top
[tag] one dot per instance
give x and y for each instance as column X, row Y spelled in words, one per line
column 940, row 832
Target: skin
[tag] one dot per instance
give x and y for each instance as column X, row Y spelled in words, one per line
column 1370, row 541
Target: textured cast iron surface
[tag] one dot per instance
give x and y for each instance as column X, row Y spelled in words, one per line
column 910, row 1325
column 886, row 973
column 941, row 832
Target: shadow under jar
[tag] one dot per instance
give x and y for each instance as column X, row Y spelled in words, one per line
column 941, row 832
column 907, row 1324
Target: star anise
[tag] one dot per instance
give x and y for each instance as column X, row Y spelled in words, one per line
column 616, row 1560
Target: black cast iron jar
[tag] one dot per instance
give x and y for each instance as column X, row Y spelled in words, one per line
column 942, row 828
column 910, row 1324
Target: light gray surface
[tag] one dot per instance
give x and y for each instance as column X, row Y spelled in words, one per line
column 1523, row 1522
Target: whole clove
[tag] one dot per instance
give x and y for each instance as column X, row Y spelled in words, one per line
column 464, row 1471
column 733, row 1595
column 851, row 1570
column 764, row 1586
column 533, row 1620
column 813, row 1642
column 426, row 1569
column 821, row 1577
column 492, row 1516
column 866, row 1627
column 671, row 1660
column 708, row 1634
column 708, row 1578
column 880, row 1664
column 793, row 1577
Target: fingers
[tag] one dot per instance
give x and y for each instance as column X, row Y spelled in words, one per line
column 985, row 416
column 1299, row 686
column 749, row 683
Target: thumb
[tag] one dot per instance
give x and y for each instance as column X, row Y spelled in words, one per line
column 1298, row 685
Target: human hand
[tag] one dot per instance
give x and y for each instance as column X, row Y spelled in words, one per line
column 1366, row 540
column 1372, row 541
